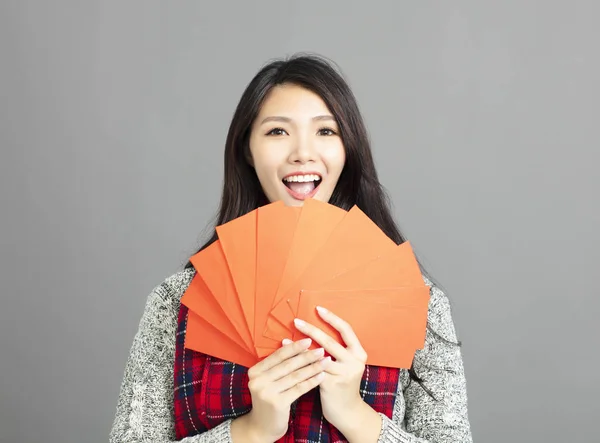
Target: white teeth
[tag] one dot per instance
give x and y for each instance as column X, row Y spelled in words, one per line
column 302, row 178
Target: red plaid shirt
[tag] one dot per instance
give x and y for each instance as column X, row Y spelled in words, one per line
column 209, row 391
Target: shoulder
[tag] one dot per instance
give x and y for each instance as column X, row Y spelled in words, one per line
column 163, row 302
column 442, row 346
column 440, row 311
column 176, row 284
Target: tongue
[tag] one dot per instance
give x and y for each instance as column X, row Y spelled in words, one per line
column 302, row 187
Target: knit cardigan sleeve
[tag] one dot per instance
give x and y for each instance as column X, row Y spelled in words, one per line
column 145, row 405
column 444, row 418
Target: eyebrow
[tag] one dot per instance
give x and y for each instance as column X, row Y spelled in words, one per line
column 278, row 118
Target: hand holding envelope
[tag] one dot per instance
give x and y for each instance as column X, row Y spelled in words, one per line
column 277, row 263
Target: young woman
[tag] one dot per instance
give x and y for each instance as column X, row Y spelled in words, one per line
column 297, row 117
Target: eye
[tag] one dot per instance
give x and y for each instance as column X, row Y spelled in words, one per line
column 276, row 131
column 327, row 131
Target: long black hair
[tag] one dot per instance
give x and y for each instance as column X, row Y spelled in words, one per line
column 358, row 183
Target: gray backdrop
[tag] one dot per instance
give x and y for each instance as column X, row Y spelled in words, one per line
column 483, row 119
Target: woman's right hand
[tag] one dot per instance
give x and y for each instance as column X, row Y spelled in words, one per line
column 274, row 384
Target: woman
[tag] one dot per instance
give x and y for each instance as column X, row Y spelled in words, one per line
column 297, row 117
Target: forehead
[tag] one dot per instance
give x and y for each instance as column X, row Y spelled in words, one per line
column 290, row 100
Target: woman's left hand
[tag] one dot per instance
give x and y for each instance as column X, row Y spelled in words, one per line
column 341, row 401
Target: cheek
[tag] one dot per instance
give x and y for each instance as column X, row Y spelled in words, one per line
column 266, row 163
column 335, row 158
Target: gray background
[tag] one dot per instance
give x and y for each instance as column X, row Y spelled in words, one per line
column 483, row 117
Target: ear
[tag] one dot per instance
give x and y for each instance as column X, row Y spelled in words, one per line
column 248, row 156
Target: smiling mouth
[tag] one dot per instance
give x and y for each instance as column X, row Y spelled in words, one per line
column 302, row 186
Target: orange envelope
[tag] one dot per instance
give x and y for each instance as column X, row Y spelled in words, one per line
column 389, row 323
column 276, row 224
column 396, row 269
column 238, row 241
column 354, row 241
column 210, row 263
column 200, row 300
column 248, row 283
column 316, row 223
column 201, row 336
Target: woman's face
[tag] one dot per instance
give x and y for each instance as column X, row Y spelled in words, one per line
column 295, row 146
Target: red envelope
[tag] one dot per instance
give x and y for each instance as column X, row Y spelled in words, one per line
column 200, row 300
column 277, row 262
column 316, row 223
column 238, row 241
column 396, row 269
column 390, row 323
column 276, row 225
column 202, row 337
column 355, row 240
column 210, row 263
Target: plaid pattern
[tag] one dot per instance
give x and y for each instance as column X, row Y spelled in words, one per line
column 209, row 391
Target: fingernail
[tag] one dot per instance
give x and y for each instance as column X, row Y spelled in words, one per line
column 286, row 341
column 322, row 310
column 306, row 341
column 319, row 352
column 299, row 322
column 325, row 361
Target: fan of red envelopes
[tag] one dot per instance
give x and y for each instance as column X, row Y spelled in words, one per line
column 278, row 263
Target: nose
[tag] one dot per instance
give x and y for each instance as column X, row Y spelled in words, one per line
column 303, row 151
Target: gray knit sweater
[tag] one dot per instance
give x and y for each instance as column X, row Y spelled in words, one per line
column 145, row 405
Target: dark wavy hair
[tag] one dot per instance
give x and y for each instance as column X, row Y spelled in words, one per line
column 358, row 183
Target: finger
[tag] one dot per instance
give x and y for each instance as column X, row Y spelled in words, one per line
column 338, row 351
column 278, row 356
column 291, row 365
column 343, row 327
column 302, row 374
column 302, row 388
column 334, row 368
